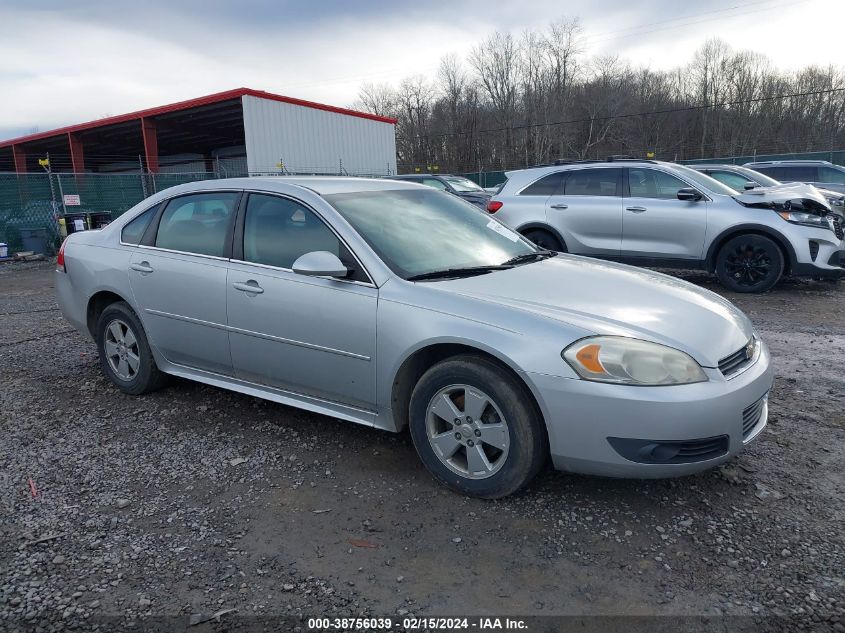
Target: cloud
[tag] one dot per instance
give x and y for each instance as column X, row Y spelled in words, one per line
column 92, row 59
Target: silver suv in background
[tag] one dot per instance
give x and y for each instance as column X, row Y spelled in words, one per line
column 654, row 213
column 820, row 173
column 742, row 178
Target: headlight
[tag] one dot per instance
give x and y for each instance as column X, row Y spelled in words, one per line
column 630, row 361
column 836, row 202
column 806, row 219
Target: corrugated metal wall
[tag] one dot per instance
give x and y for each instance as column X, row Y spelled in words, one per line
column 308, row 140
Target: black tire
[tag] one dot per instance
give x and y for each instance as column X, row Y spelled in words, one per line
column 526, row 434
column 749, row 263
column 146, row 376
column 545, row 239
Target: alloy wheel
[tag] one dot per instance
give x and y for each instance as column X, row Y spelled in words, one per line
column 121, row 348
column 467, row 431
column 748, row 265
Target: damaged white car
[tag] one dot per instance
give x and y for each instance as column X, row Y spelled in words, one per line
column 652, row 213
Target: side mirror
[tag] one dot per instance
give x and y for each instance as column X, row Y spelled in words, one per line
column 320, row 264
column 689, row 194
column 749, row 185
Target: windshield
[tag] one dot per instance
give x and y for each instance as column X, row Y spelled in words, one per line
column 703, row 180
column 417, row 232
column 758, row 177
column 462, row 184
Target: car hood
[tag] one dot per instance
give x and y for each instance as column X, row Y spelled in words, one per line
column 781, row 193
column 615, row 299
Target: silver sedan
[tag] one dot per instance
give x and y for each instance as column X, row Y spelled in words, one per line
column 394, row 305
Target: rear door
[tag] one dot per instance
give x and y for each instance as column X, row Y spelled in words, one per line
column 178, row 278
column 587, row 210
column 655, row 223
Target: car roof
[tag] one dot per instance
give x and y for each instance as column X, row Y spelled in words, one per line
column 321, row 185
column 714, row 166
column 790, row 162
column 406, row 176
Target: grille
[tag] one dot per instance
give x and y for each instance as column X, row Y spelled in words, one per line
column 700, row 450
column 751, row 416
column 814, row 250
column 838, row 228
column 730, row 365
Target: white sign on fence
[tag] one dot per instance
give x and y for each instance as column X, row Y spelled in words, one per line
column 71, row 200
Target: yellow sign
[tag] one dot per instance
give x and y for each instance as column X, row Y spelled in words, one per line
column 44, row 162
column 649, row 154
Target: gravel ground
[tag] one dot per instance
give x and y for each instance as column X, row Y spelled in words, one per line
column 195, row 500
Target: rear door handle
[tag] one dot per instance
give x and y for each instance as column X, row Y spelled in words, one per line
column 559, row 206
column 636, row 209
column 143, row 267
column 250, row 286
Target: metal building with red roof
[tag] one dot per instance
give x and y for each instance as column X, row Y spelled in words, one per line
column 237, row 131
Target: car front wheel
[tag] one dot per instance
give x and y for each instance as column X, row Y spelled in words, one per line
column 749, row 263
column 475, row 427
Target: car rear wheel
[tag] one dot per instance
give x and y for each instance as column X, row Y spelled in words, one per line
column 749, row 263
column 475, row 427
column 125, row 355
column 545, row 239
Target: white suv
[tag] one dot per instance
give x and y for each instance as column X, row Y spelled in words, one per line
column 663, row 214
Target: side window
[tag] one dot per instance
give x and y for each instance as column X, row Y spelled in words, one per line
column 800, row 174
column 134, row 230
column 778, row 173
column 277, row 231
column 829, row 174
column 732, row 180
column 433, row 182
column 546, row 186
column 651, row 183
column 197, row 223
column 593, row 182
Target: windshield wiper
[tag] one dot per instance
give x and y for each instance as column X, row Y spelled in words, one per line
column 529, row 257
column 468, row 271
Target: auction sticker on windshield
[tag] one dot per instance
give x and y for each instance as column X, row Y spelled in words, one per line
column 502, row 230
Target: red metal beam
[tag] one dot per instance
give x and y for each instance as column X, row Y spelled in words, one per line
column 77, row 155
column 148, row 129
column 19, row 154
column 193, row 103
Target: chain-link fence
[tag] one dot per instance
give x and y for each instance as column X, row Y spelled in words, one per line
column 37, row 209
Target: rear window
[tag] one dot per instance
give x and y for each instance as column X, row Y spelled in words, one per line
column 197, row 223
column 546, row 186
column 593, row 182
column 134, row 231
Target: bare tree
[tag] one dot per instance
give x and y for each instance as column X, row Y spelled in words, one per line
column 520, row 101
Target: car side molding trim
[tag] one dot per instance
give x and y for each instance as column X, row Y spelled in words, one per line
column 291, row 398
column 269, row 337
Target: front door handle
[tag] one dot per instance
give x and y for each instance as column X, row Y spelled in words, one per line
column 142, row 267
column 635, row 209
column 559, row 206
column 250, row 286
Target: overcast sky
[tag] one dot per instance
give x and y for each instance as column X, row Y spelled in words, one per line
column 63, row 63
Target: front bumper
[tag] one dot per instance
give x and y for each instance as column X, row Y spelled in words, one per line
column 818, row 253
column 581, row 416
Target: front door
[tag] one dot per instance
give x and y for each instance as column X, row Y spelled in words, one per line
column 178, row 279
column 308, row 335
column 587, row 210
column 655, row 223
